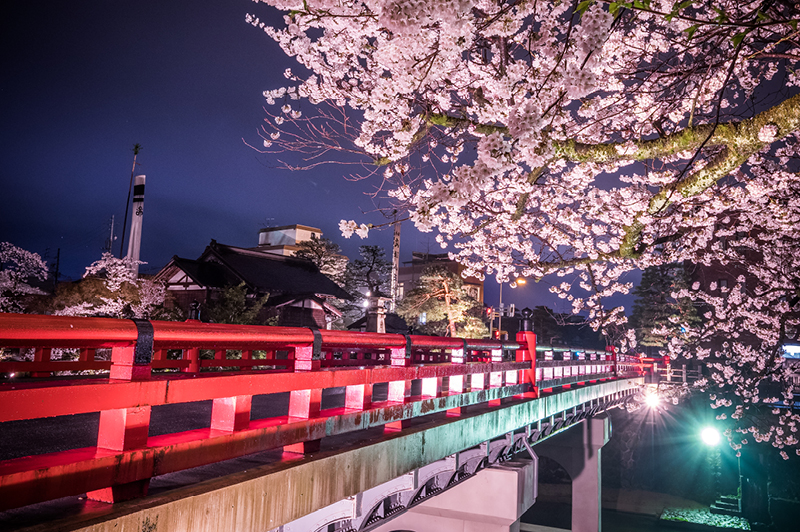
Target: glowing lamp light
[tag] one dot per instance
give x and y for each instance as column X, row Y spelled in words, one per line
column 652, row 400
column 710, row 436
column 519, row 281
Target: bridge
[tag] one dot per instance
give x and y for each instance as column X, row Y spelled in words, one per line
column 312, row 430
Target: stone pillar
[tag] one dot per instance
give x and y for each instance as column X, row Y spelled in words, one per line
column 578, row 451
column 491, row 501
column 376, row 314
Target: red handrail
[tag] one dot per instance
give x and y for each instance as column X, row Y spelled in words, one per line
column 28, row 330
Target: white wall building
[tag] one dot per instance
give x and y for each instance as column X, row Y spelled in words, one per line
column 283, row 240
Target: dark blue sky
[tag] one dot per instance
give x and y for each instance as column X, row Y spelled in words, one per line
column 84, row 81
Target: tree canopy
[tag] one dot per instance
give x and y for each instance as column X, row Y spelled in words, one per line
column 449, row 310
column 327, row 255
column 233, row 306
column 369, row 272
column 18, row 269
column 579, row 139
column 657, row 314
column 111, row 288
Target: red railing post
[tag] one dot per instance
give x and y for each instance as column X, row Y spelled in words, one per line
column 527, row 353
column 477, row 381
column 123, row 365
column 124, row 429
column 495, row 377
column 86, row 355
column 358, row 396
column 398, row 390
column 431, row 387
column 614, row 360
column 193, row 356
column 305, row 404
column 41, row 354
column 455, row 383
column 230, row 414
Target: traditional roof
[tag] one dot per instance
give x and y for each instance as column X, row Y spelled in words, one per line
column 393, row 323
column 220, row 266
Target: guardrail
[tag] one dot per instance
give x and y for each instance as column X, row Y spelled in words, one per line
column 672, row 374
column 156, row 363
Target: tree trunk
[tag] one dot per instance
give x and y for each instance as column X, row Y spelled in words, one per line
column 451, row 324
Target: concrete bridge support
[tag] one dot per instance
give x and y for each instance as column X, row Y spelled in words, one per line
column 578, row 451
column 491, row 501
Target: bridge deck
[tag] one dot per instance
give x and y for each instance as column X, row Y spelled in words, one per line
column 276, row 489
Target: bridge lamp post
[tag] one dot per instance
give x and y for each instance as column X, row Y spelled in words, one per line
column 652, row 400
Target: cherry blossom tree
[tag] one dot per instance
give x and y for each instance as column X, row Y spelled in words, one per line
column 577, row 139
column 18, row 268
column 119, row 292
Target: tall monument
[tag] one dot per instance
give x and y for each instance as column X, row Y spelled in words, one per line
column 135, row 240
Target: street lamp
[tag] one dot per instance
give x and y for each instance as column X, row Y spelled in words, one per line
column 710, row 436
column 519, row 281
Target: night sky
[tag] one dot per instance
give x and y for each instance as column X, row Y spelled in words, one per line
column 82, row 82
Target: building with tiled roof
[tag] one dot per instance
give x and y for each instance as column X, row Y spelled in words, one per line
column 298, row 293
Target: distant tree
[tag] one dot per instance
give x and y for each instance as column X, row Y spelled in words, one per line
column 330, row 260
column 370, row 272
column 448, row 308
column 110, row 288
column 235, row 306
column 657, row 313
column 565, row 329
column 327, row 255
column 17, row 269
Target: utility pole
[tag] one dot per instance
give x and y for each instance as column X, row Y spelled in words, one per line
column 395, row 265
column 136, row 149
column 111, row 238
column 58, row 265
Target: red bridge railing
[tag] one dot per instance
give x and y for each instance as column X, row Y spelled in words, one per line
column 155, row 363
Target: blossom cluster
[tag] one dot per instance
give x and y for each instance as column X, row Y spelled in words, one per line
column 127, row 296
column 18, row 268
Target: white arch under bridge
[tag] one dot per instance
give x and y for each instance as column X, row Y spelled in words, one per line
column 372, row 508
